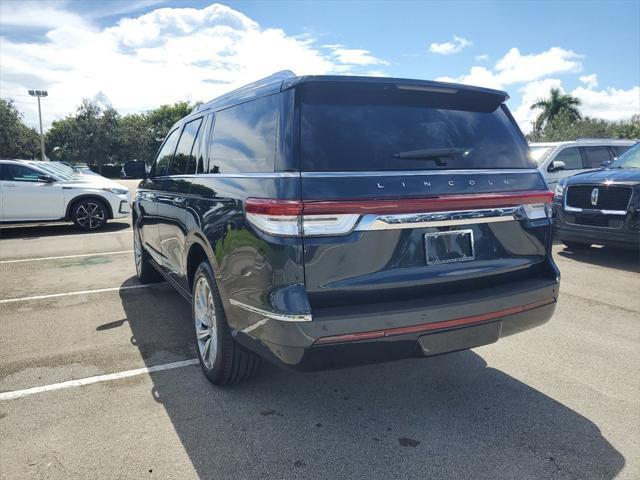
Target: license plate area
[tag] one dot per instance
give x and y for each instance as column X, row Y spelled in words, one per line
column 449, row 247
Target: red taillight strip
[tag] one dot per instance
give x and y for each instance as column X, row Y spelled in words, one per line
column 442, row 203
column 271, row 206
column 432, row 204
column 426, row 327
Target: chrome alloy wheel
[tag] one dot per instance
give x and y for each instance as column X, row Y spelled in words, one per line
column 137, row 250
column 204, row 316
column 90, row 215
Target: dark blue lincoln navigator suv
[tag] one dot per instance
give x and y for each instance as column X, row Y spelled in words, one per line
column 327, row 221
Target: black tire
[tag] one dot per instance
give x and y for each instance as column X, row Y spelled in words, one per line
column 89, row 214
column 230, row 362
column 576, row 245
column 145, row 271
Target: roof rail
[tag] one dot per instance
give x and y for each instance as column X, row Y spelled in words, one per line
column 599, row 139
column 276, row 78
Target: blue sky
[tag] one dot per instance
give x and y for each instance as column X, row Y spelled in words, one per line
column 138, row 54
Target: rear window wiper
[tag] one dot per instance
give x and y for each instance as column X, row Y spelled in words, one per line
column 429, row 154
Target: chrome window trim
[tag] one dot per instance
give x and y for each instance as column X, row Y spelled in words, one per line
column 371, row 222
column 401, row 173
column 380, row 173
column 283, row 317
column 237, row 175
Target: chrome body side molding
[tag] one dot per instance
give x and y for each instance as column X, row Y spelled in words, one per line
column 439, row 219
column 283, row 317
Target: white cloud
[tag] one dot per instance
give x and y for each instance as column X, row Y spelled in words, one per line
column 356, row 56
column 33, row 14
column 481, row 58
column 610, row 103
column 591, row 81
column 479, row 76
column 514, row 67
column 166, row 55
column 447, row 48
column 532, row 74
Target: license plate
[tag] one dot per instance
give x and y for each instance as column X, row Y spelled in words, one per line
column 449, row 247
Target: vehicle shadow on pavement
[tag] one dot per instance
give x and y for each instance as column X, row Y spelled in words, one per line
column 627, row 260
column 445, row 417
column 31, row 232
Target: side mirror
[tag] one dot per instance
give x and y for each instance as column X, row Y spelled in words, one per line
column 606, row 163
column 45, row 179
column 134, row 169
column 557, row 165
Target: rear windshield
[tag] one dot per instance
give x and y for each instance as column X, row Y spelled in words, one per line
column 364, row 128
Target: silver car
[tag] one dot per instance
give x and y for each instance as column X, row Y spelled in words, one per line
column 558, row 160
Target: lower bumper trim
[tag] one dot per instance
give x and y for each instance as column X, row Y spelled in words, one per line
column 124, row 207
column 426, row 327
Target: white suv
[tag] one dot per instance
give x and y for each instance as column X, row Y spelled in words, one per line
column 33, row 191
column 558, row 160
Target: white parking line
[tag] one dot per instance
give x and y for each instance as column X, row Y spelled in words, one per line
column 65, row 256
column 81, row 292
column 98, row 378
column 63, row 235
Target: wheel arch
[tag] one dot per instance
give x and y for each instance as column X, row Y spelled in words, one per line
column 88, row 196
column 198, row 250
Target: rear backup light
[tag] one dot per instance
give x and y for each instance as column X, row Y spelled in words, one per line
column 536, row 211
column 314, row 218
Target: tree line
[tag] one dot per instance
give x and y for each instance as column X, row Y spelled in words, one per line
column 93, row 135
column 560, row 119
column 98, row 136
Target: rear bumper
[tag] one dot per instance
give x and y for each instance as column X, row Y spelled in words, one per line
column 396, row 330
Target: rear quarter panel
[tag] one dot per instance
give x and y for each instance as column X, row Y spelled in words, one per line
column 253, row 268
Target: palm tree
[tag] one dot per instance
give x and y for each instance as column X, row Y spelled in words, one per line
column 553, row 106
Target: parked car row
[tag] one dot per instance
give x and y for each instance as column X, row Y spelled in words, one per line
column 324, row 221
column 558, row 160
column 596, row 190
column 600, row 206
column 36, row 191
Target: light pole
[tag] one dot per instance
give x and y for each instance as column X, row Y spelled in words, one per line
column 38, row 94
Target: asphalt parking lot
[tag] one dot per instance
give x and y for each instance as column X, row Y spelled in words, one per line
column 560, row 401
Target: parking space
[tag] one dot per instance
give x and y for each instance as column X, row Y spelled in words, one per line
column 560, row 401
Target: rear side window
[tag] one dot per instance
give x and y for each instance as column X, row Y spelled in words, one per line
column 571, row 158
column 244, row 137
column 184, row 151
column 200, row 157
column 361, row 128
column 19, row 173
column 620, row 149
column 594, row 156
column 165, row 153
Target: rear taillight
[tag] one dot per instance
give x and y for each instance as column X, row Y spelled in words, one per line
column 288, row 218
column 313, row 218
